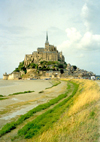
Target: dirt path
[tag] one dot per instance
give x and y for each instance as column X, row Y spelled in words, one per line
column 20, row 104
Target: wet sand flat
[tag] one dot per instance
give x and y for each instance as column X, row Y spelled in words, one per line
column 19, row 104
column 10, row 86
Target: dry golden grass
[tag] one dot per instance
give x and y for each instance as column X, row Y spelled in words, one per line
column 74, row 129
column 89, row 92
column 80, row 122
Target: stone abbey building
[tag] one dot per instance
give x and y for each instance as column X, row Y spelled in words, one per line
column 48, row 53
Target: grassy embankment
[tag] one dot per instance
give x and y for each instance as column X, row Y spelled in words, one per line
column 47, row 119
column 76, row 117
column 80, row 120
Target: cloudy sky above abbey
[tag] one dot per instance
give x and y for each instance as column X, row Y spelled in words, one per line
column 73, row 26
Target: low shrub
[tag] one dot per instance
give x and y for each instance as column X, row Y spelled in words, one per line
column 41, row 91
column 1, row 96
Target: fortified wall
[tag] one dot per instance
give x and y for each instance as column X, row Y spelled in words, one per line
column 12, row 76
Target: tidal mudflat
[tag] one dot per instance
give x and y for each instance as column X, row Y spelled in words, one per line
column 12, row 86
column 17, row 105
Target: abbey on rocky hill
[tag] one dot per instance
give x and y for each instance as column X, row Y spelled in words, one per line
column 46, row 62
column 48, row 53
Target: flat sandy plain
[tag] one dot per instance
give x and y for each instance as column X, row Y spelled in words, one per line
column 10, row 86
column 16, row 105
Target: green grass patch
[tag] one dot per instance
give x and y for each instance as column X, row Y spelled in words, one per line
column 41, row 91
column 34, row 110
column 1, row 96
column 17, row 93
column 92, row 114
column 46, row 120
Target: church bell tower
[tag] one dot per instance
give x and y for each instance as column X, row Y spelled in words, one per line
column 47, row 38
column 47, row 42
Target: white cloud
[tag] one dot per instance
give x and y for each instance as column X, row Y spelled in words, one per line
column 90, row 14
column 73, row 34
column 90, row 41
column 75, row 39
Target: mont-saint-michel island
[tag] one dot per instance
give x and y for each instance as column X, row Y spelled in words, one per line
column 46, row 99
column 49, row 71
column 46, row 63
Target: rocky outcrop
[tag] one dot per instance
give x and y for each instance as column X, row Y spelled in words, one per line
column 76, row 72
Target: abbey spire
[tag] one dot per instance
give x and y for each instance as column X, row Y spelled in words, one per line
column 46, row 37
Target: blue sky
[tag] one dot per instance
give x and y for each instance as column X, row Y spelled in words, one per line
column 73, row 27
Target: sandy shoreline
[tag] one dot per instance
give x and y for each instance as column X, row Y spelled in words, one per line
column 8, row 87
